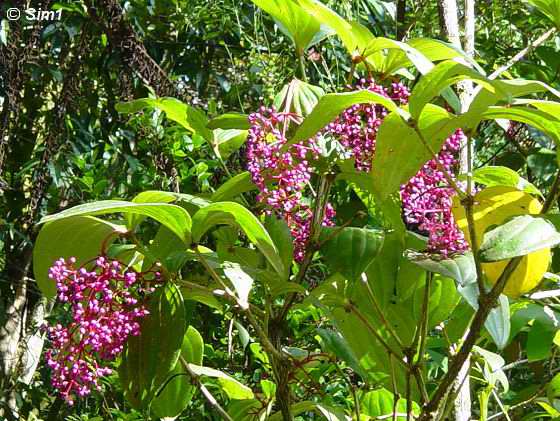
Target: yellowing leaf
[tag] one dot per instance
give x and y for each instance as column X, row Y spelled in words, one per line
column 493, row 206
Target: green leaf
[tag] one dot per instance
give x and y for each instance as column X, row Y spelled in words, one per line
column 242, row 283
column 333, row 341
column 228, row 141
column 442, row 301
column 192, row 119
column 65, row 238
column 150, row 357
column 538, row 119
column 503, row 176
column 438, row 50
column 493, row 368
column 508, row 90
column 233, row 388
column 399, row 150
column 539, row 340
column 550, row 8
column 331, row 105
column 282, row 238
column 553, row 388
column 440, row 77
column 173, row 217
column 322, row 410
column 177, row 393
column 352, row 35
column 350, row 250
column 298, row 97
column 234, row 214
column 498, row 322
column 380, row 402
column 518, row 237
column 230, row 121
column 302, row 28
column 461, row 268
column 235, row 186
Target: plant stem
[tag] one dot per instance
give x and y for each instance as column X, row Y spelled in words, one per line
column 321, row 201
column 301, row 60
column 390, row 328
column 440, row 167
column 267, row 345
column 352, row 308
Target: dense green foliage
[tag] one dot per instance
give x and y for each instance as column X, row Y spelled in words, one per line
column 124, row 133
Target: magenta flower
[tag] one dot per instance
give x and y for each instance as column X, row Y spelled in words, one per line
column 105, row 311
column 281, row 175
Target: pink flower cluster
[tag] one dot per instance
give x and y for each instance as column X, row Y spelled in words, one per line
column 104, row 312
column 427, row 201
column 356, row 128
column 282, row 175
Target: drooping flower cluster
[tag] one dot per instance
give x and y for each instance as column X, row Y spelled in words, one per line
column 427, row 200
column 356, row 128
column 282, row 175
column 104, row 311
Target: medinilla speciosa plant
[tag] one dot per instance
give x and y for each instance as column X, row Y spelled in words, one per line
column 425, row 269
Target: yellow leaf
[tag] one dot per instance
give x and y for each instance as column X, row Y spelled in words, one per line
column 493, row 206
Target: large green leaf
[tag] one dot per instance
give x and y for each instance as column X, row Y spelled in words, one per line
column 400, row 152
column 518, row 237
column 441, row 303
column 331, row 105
column 508, row 90
column 550, row 8
column 380, row 402
column 234, row 214
column 350, row 250
column 355, row 37
column 538, row 119
column 440, row 77
column 192, row 119
column 438, row 50
column 80, row 236
column 173, row 217
column 178, row 390
column 301, row 27
column 333, row 341
column 149, row 358
column 235, row 186
column 230, row 121
column 282, row 238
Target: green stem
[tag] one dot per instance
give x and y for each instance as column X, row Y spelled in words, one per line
column 267, row 345
column 301, row 60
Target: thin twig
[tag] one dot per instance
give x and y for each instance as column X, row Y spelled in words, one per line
column 209, row 397
column 512, row 61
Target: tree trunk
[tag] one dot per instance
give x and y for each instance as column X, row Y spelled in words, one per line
column 449, row 20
